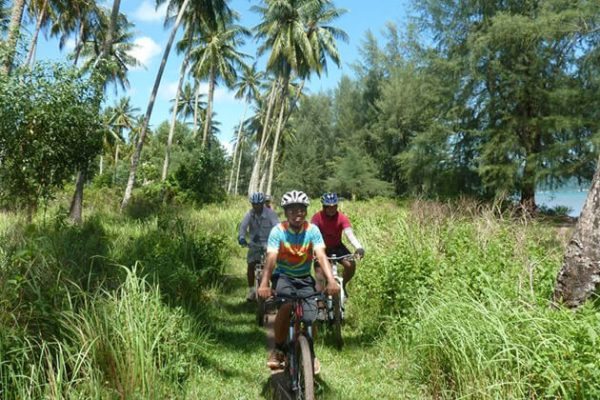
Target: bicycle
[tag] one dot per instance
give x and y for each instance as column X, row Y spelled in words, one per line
column 299, row 354
column 334, row 305
column 258, row 271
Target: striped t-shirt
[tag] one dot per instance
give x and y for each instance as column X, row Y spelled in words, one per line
column 294, row 249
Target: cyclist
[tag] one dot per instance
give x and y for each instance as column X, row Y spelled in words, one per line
column 289, row 255
column 258, row 221
column 268, row 201
column 332, row 223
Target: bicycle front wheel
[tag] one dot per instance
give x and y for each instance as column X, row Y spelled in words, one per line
column 336, row 322
column 306, row 378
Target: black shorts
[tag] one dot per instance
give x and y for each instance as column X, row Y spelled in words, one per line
column 338, row 251
column 304, row 286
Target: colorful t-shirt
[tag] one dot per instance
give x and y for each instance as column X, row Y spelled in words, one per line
column 294, row 249
column 331, row 227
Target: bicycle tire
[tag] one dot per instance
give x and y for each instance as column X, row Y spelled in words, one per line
column 260, row 303
column 306, row 378
column 260, row 311
column 336, row 323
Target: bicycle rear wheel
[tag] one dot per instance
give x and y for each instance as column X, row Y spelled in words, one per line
column 336, row 323
column 260, row 303
column 306, row 378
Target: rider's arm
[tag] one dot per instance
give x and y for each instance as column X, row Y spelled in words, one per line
column 350, row 235
column 244, row 226
column 264, row 291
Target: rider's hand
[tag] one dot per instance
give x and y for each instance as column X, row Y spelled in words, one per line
column 242, row 241
column 264, row 292
column 332, row 288
column 360, row 252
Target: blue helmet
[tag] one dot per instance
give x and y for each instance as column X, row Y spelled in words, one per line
column 257, row 198
column 329, row 199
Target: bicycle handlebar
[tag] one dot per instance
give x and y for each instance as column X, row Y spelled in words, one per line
column 340, row 258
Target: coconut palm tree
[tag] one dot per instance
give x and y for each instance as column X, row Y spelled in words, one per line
column 185, row 103
column 43, row 12
column 76, row 209
column 184, row 46
column 217, row 59
column 299, row 41
column 79, row 18
column 247, row 88
column 121, row 116
column 13, row 35
column 118, row 58
column 209, row 12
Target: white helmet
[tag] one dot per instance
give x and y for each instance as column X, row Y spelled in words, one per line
column 294, row 197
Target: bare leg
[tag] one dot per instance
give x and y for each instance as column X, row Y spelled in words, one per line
column 349, row 270
column 282, row 322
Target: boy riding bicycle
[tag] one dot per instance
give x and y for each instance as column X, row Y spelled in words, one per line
column 290, row 251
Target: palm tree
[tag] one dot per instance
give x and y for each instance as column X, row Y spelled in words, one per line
column 118, row 58
column 76, row 17
column 185, row 103
column 76, row 208
column 300, row 43
column 43, row 12
column 13, row 35
column 248, row 89
column 209, row 12
column 122, row 116
column 185, row 46
column 217, row 59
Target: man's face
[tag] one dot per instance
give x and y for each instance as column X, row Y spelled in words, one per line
column 330, row 211
column 257, row 208
column 295, row 214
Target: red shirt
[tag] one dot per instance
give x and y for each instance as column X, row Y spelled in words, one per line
column 331, row 227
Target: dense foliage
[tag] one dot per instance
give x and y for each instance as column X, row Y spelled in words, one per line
column 482, row 101
column 49, row 127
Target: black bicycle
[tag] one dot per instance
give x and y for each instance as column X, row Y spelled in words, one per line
column 335, row 304
column 300, row 354
column 258, row 272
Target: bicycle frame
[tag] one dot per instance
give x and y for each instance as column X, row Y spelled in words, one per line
column 297, row 328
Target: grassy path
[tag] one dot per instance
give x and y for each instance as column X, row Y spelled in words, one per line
column 235, row 361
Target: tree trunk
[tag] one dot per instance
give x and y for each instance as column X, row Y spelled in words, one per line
column 14, row 30
column 209, row 106
column 78, row 44
column 38, row 27
column 106, row 48
column 254, row 178
column 235, row 149
column 101, row 164
column 580, row 272
column 76, row 209
column 196, row 112
column 277, row 135
column 116, row 162
column 263, row 178
column 165, row 169
column 135, row 159
column 239, row 164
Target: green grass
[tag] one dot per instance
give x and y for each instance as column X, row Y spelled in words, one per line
column 451, row 301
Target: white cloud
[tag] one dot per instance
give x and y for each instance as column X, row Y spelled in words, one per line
column 70, row 45
column 228, row 146
column 144, row 50
column 168, row 90
column 146, row 12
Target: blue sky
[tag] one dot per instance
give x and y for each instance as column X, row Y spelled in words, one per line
column 151, row 38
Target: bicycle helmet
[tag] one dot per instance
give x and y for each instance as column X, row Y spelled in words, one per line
column 267, row 198
column 294, row 197
column 257, row 198
column 329, row 199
